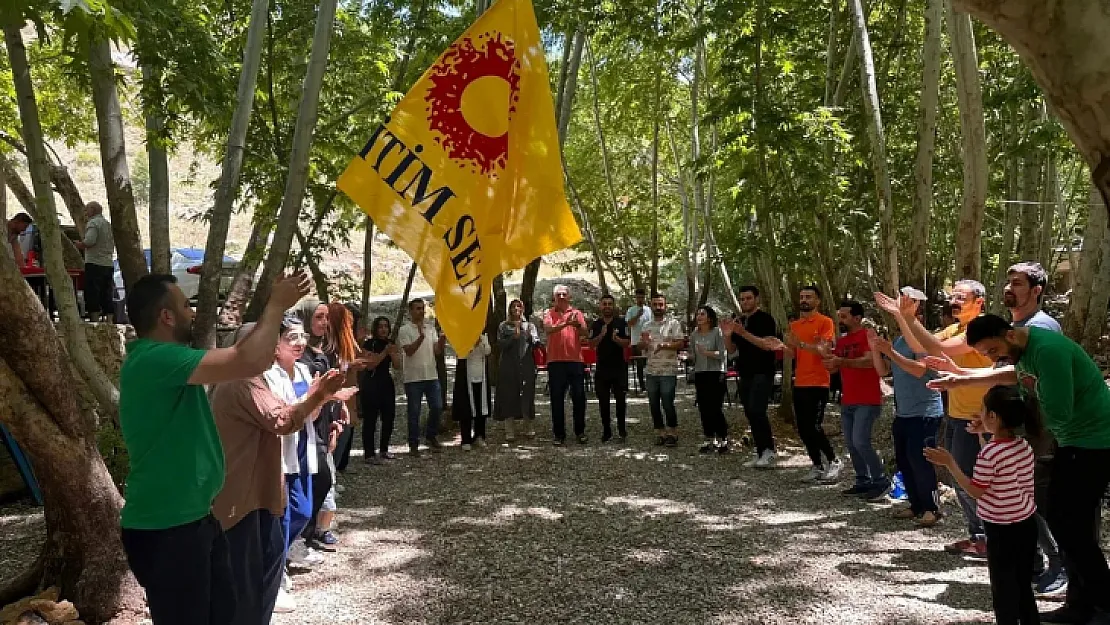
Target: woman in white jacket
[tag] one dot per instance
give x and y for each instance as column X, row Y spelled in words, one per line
column 472, row 397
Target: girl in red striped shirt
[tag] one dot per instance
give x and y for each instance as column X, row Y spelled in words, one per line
column 1003, row 485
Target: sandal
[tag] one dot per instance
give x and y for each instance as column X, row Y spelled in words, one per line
column 927, row 519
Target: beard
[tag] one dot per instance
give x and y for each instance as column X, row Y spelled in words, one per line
column 1010, row 300
column 1015, row 353
column 805, row 306
column 182, row 331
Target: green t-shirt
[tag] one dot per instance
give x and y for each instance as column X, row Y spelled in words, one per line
column 177, row 462
column 1073, row 397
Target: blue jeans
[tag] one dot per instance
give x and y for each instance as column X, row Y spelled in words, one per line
column 964, row 447
column 298, row 510
column 415, row 392
column 857, row 422
column 661, row 390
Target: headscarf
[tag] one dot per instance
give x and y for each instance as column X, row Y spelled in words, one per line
column 304, row 310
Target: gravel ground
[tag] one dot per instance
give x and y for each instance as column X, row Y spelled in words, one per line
column 612, row 534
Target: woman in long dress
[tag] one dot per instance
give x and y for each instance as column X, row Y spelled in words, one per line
column 516, row 381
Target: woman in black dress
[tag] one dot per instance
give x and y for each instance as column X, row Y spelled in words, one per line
column 377, row 394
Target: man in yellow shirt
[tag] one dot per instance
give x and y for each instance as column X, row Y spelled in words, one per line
column 964, row 404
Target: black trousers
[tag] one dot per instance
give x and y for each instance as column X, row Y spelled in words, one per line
column 709, row 389
column 755, row 395
column 343, row 447
column 377, row 406
column 809, row 413
column 321, row 485
column 612, row 384
column 185, row 571
column 257, row 549
column 911, row 436
column 567, row 376
column 99, row 288
column 472, row 425
column 1079, row 478
column 1009, row 549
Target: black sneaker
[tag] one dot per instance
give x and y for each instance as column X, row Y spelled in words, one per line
column 707, row 447
column 606, row 437
column 1051, row 582
column 723, row 446
column 876, row 494
column 414, row 451
column 855, row 490
column 1067, row 614
column 433, row 444
column 660, row 441
column 670, row 441
column 559, row 442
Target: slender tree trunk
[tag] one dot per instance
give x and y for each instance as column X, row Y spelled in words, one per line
column 159, row 167
column 71, row 196
column 1099, row 301
column 204, row 326
column 969, row 226
column 1030, row 209
column 319, row 278
column 403, row 306
column 887, row 236
column 83, row 553
column 917, row 257
column 653, row 279
column 1050, row 202
column 113, row 156
column 1090, row 259
column 299, row 158
column 1005, row 253
column 367, row 273
column 689, row 248
column 243, row 282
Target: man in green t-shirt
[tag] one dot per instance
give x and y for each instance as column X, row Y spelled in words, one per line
column 174, row 545
column 1075, row 403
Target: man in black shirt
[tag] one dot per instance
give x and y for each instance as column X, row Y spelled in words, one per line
column 609, row 336
column 755, row 364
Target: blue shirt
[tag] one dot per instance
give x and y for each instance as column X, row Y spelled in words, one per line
column 1040, row 319
column 911, row 397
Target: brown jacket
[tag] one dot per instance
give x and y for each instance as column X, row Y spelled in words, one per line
column 251, row 420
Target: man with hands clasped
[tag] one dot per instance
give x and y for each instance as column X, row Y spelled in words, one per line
column 660, row 340
column 421, row 343
column 566, row 327
column 609, row 336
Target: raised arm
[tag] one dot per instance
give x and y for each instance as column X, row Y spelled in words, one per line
column 987, row 376
column 255, row 353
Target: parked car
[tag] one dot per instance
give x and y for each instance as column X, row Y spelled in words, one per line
column 185, row 264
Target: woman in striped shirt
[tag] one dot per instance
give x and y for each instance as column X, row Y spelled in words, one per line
column 1002, row 484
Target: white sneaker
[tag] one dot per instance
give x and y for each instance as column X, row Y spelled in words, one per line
column 286, row 582
column 832, row 471
column 285, row 603
column 466, row 447
column 766, row 461
column 814, row 474
column 304, row 556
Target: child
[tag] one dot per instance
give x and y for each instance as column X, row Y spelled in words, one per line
column 1003, row 486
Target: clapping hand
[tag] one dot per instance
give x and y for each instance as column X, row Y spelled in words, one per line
column 945, row 381
column 942, row 363
column 289, row 289
column 939, row 456
column 888, row 304
column 773, row 344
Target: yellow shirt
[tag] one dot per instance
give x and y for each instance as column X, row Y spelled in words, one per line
column 965, row 402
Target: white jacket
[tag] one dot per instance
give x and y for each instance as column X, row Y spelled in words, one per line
column 282, row 386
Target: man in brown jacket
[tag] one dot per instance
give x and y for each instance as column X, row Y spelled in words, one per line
column 251, row 420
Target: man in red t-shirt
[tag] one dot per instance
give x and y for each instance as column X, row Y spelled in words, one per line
column 565, row 327
column 861, row 401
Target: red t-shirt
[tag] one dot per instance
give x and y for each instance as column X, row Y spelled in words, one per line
column 566, row 344
column 860, row 387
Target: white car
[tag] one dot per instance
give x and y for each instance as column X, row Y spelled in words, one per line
column 185, row 265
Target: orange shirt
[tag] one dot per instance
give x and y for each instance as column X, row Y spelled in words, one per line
column 809, row 371
column 566, row 344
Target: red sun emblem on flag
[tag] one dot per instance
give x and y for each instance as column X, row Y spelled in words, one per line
column 486, row 68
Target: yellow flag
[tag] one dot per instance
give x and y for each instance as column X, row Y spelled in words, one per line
column 465, row 173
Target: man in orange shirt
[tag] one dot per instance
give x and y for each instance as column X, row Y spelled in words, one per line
column 810, row 341
column 566, row 327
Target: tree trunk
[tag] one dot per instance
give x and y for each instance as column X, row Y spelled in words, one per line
column 917, row 256
column 159, row 166
column 1006, row 253
column 403, row 306
column 498, row 311
column 71, row 196
column 241, row 285
column 1099, row 301
column 204, row 326
column 888, row 241
column 1030, row 209
column 1051, row 200
column 653, row 279
column 319, row 278
column 298, row 159
column 83, row 553
column 113, row 156
column 689, row 247
column 1064, row 44
column 367, row 273
column 1090, row 259
column 969, row 226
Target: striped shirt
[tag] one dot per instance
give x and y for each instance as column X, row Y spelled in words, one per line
column 1004, row 470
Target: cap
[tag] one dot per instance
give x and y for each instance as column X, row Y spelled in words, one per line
column 914, row 293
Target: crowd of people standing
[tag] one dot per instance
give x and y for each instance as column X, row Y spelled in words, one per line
column 233, row 489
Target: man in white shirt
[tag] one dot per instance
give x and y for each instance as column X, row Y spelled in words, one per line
column 637, row 317
column 99, row 247
column 421, row 343
column 660, row 340
column 15, row 227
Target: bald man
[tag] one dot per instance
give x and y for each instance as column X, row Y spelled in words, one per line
column 99, row 248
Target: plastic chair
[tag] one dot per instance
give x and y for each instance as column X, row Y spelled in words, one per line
column 589, row 360
column 539, row 354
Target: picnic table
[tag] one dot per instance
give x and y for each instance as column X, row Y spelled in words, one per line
column 36, row 277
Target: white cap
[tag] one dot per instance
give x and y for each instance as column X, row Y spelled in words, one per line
column 914, row 293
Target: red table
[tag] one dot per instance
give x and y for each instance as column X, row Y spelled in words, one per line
column 36, row 278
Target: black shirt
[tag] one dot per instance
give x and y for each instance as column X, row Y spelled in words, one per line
column 610, row 354
column 381, row 376
column 319, row 363
column 751, row 359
